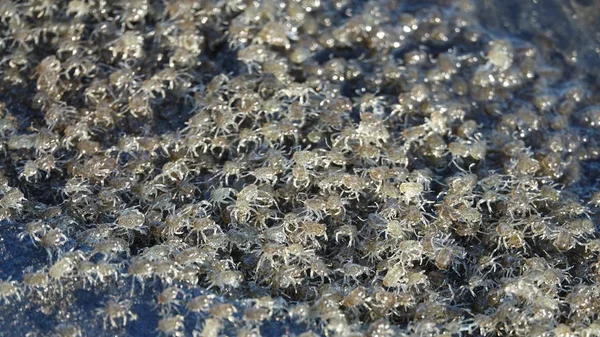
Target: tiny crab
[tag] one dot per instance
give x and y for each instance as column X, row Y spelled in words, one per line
column 64, row 267
column 12, row 199
column 200, row 303
column 265, row 175
column 346, row 230
column 231, row 169
column 130, row 220
column 171, row 326
column 53, row 240
column 117, row 313
column 36, row 281
column 33, row 230
column 274, row 34
column 176, row 170
column 297, row 91
column 226, row 279
column 222, row 196
column 168, row 299
column 311, row 230
column 242, row 210
column 223, row 311
column 29, row 171
column 200, row 226
column 10, row 289
column 140, row 269
column 353, row 271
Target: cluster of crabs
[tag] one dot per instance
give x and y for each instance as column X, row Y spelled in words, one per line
column 300, row 168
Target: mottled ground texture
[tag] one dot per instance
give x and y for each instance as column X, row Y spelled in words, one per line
column 299, row 168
